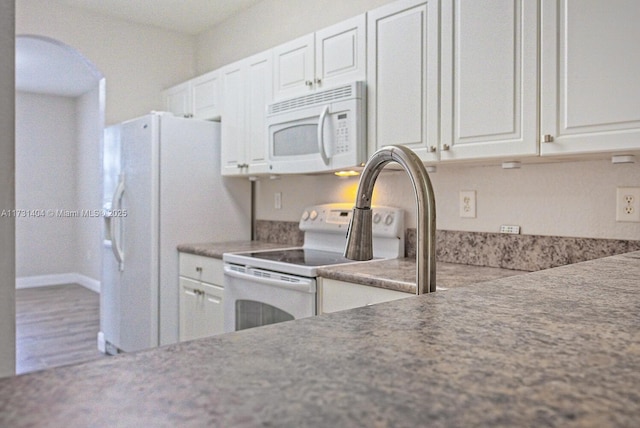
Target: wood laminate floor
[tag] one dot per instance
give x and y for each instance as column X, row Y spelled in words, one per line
column 56, row 326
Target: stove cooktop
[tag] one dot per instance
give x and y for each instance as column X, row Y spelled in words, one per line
column 301, row 256
column 294, row 261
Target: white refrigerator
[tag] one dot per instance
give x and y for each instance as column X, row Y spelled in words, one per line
column 162, row 187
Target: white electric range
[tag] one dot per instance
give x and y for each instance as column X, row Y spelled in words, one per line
column 265, row 287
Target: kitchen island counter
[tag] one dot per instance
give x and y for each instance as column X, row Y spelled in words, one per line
column 559, row 347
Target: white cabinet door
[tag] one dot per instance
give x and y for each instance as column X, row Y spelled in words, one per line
column 189, row 299
column 201, row 312
column 206, row 96
column 213, row 311
column 330, row 57
column 403, row 76
column 489, row 79
column 259, row 93
column 232, row 123
column 177, row 100
column 341, row 52
column 340, row 295
column 247, row 89
column 293, row 67
column 590, row 76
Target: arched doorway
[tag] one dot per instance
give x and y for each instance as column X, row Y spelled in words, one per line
column 59, row 128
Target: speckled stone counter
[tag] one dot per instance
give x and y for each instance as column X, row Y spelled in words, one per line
column 559, row 347
column 217, row 249
column 396, row 274
column 400, row 274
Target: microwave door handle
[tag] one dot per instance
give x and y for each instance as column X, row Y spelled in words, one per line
column 321, row 147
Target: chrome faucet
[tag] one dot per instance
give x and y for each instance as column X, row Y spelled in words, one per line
column 359, row 237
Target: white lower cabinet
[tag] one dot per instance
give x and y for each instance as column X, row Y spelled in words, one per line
column 201, row 311
column 337, row 295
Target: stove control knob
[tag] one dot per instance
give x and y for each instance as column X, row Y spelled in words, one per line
column 388, row 219
column 313, row 215
column 376, row 218
column 305, row 215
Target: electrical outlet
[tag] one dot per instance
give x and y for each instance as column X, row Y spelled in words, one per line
column 628, row 204
column 468, row 203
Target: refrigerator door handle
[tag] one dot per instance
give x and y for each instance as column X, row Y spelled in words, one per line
column 115, row 223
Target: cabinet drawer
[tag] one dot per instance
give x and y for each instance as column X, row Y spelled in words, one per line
column 206, row 269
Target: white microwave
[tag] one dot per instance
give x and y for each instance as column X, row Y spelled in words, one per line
column 322, row 131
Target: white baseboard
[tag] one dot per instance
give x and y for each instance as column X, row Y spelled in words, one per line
column 58, row 279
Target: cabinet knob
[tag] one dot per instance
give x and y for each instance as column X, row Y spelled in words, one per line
column 308, row 83
column 318, row 80
column 547, row 138
column 198, row 269
column 432, row 149
column 445, row 147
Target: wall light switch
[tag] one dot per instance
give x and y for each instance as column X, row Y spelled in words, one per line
column 277, row 200
column 468, row 203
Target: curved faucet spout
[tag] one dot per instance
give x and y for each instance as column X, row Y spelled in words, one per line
column 359, row 238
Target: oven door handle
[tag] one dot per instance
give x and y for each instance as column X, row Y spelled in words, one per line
column 307, row 285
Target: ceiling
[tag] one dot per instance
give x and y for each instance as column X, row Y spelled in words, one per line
column 185, row 16
column 46, row 66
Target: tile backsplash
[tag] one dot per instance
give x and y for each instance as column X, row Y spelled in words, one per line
column 520, row 252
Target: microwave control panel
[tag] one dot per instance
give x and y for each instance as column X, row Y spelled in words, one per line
column 342, row 133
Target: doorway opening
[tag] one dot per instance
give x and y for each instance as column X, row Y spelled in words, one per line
column 60, row 110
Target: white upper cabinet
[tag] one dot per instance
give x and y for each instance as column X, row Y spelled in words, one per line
column 177, row 100
column 590, row 76
column 199, row 97
column 329, row 57
column 293, row 69
column 205, row 91
column 232, row 123
column 246, row 88
column 403, row 76
column 341, row 52
column 489, row 79
column 258, row 94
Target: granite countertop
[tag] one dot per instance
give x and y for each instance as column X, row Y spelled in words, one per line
column 558, row 347
column 217, row 249
column 400, row 274
column 395, row 274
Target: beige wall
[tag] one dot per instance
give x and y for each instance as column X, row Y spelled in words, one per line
column 46, row 165
column 89, row 136
column 562, row 199
column 270, row 23
column 137, row 61
column 7, row 202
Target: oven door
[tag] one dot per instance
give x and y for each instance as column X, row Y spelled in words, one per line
column 256, row 297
